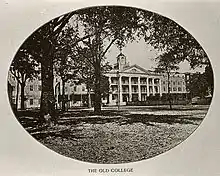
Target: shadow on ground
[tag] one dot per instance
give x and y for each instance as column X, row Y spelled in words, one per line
column 168, row 119
column 78, row 118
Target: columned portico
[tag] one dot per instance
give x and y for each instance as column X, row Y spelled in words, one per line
column 134, row 83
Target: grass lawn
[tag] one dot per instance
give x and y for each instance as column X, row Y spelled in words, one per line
column 128, row 135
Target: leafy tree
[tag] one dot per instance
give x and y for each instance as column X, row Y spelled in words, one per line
column 87, row 74
column 97, row 29
column 167, row 36
column 107, row 26
column 64, row 63
column 197, row 85
column 168, row 64
column 201, row 84
column 24, row 68
column 209, row 78
column 41, row 45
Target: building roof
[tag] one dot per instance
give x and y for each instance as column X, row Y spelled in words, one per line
column 134, row 69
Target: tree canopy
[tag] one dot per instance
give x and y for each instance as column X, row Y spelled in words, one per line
column 86, row 35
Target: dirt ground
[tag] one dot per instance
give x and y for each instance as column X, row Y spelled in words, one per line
column 131, row 134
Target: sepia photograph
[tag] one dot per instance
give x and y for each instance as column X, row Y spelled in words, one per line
column 110, row 84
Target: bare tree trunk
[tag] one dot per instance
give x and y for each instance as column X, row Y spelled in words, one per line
column 47, row 94
column 22, row 95
column 98, row 101
column 169, row 95
column 98, row 97
column 89, row 98
column 63, row 96
column 17, row 93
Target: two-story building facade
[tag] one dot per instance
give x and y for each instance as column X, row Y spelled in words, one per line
column 134, row 83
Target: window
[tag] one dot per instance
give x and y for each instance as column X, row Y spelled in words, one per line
column 178, row 83
column 39, row 87
column 39, row 101
column 164, row 82
column 31, row 88
column 174, row 89
column 150, row 89
column 83, row 88
column 156, row 89
column 179, row 89
column 75, row 89
column 31, row 101
column 114, row 97
column 164, row 89
column 174, row 83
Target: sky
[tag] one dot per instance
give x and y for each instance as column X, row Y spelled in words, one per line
column 143, row 55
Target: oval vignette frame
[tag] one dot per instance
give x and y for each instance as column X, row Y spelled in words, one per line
column 109, row 110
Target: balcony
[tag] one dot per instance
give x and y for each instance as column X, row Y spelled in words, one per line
column 114, row 83
column 156, row 81
column 114, row 91
column 143, row 81
column 125, row 82
column 134, row 91
column 125, row 91
column 134, row 80
column 144, row 91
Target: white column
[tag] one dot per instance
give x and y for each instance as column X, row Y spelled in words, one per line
column 120, row 90
column 153, row 86
column 160, row 87
column 139, row 89
column 110, row 91
column 130, row 90
column 148, row 90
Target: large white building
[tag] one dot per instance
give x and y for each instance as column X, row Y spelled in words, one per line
column 134, row 83
column 128, row 83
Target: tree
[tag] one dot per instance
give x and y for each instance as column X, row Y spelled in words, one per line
column 168, row 64
column 197, row 85
column 166, row 35
column 24, row 68
column 209, row 78
column 64, row 63
column 106, row 26
column 86, row 72
column 41, row 45
column 201, row 84
column 98, row 28
column 66, row 70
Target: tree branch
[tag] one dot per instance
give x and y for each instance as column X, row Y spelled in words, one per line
column 108, row 47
